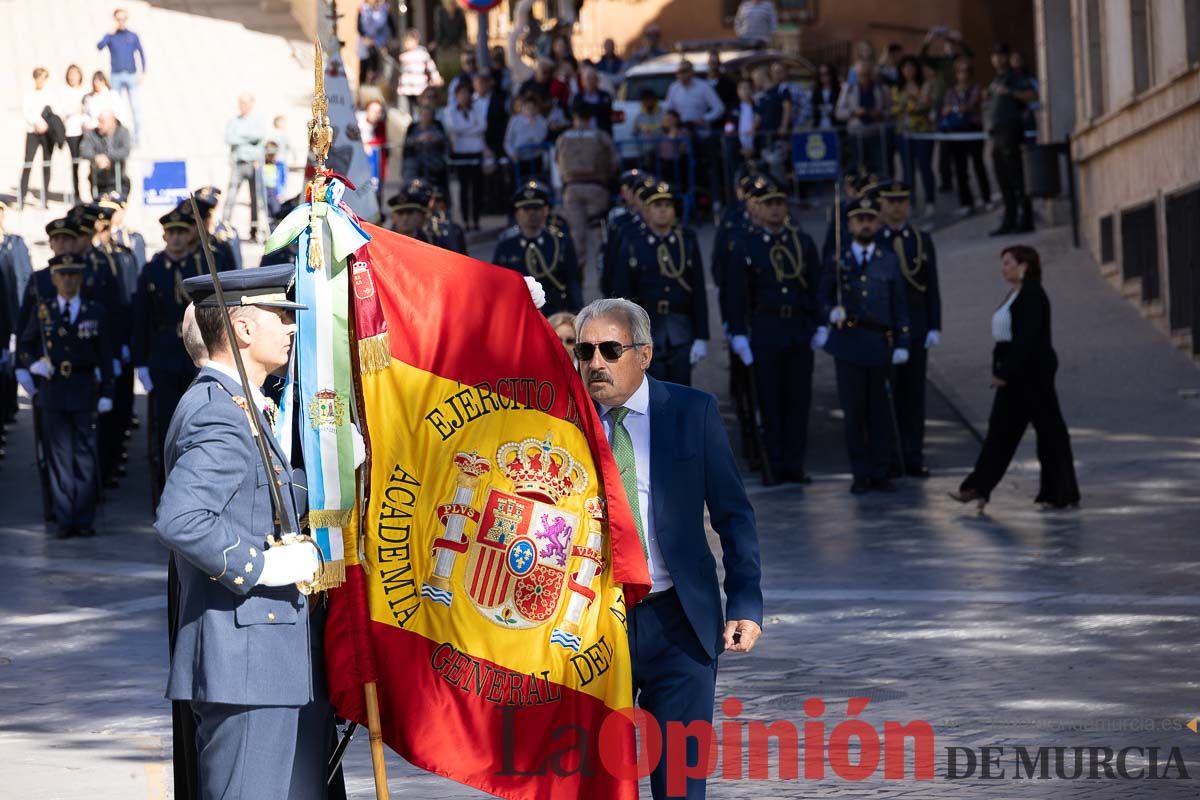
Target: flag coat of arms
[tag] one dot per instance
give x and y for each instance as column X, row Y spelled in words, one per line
column 487, row 592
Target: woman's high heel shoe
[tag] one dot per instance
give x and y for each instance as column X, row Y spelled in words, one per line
column 970, row 496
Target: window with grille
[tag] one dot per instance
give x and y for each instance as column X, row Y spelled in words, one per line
column 1139, row 25
column 1106, row 240
column 1139, row 249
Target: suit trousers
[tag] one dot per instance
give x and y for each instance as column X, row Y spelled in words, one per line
column 1015, row 406
column 862, row 391
column 908, row 395
column 784, row 375
column 262, row 752
column 674, row 679
column 582, row 203
column 70, row 440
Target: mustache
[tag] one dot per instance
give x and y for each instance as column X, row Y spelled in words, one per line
column 599, row 375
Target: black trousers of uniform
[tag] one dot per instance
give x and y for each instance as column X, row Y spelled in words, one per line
column 1010, row 173
column 908, row 395
column 784, row 377
column 862, row 391
column 168, row 391
column 70, row 440
column 1015, row 406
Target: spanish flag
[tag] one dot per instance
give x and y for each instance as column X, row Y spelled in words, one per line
column 486, row 593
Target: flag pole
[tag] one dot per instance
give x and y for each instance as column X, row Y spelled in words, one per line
column 375, row 734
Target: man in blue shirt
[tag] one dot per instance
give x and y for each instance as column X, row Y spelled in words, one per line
column 124, row 47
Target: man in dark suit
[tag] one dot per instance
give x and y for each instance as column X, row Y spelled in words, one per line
column 673, row 453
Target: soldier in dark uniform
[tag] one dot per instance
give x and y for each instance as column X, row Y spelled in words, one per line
column 409, row 210
column 15, row 271
column 735, row 217
column 61, row 350
column 222, row 236
column 162, row 362
column 124, row 235
column 863, row 297
column 63, row 235
column 622, row 219
column 853, row 187
column 441, row 230
column 661, row 270
column 918, row 264
column 541, row 251
column 773, row 275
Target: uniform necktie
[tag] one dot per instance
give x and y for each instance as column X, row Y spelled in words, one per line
column 622, row 447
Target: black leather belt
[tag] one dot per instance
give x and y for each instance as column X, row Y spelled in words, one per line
column 868, row 325
column 664, row 307
column 782, row 312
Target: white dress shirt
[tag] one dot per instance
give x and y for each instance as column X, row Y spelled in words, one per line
column 69, row 309
column 1002, row 320
column 861, row 254
column 695, row 103
column 637, row 422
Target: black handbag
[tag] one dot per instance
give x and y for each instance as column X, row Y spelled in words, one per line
column 56, row 129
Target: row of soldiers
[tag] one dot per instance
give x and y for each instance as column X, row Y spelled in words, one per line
column 869, row 297
column 85, row 325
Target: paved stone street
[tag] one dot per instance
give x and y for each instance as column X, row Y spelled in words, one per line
column 1016, row 628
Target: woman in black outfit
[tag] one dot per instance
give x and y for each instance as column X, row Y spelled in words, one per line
column 1023, row 367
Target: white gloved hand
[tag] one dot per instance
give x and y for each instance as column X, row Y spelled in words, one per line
column 699, row 352
column 4, row 356
column 116, row 367
column 837, row 315
column 104, row 405
column 285, row 565
column 42, row 369
column 899, row 356
column 143, row 374
column 26, row 381
column 125, row 353
column 536, row 292
column 932, row 339
column 740, row 345
column 360, row 446
column 820, row 337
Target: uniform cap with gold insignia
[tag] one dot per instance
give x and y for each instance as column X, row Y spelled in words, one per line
column 894, row 190
column 631, row 177
column 764, row 188
column 64, row 226
column 67, row 263
column 661, row 190
column 261, row 286
column 531, row 194
column 114, row 200
column 207, row 198
column 645, row 186
column 864, row 206
column 178, row 217
column 413, row 197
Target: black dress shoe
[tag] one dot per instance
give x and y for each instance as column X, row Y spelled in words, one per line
column 85, row 533
column 882, row 485
column 65, row 533
column 859, row 487
column 920, row 471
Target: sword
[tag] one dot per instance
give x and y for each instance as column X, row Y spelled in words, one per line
column 837, row 247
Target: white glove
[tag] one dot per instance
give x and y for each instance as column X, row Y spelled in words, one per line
column 899, row 356
column 931, row 339
column 820, row 337
column 740, row 346
column 837, row 315
column 699, row 352
column 360, row 446
column 116, row 367
column 143, row 374
column 125, row 353
column 42, row 369
column 104, row 405
column 26, row 381
column 285, row 565
column 536, row 292
column 4, row 354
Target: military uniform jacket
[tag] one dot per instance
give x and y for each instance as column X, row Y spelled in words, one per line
column 548, row 257
column 77, row 350
column 664, row 275
column 873, row 295
column 111, row 263
column 158, row 307
column 772, row 283
column 918, row 266
column 620, row 223
column 97, row 286
column 237, row 643
column 447, row 235
column 15, row 271
column 135, row 242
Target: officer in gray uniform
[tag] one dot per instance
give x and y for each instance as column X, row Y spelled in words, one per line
column 247, row 654
column 61, row 351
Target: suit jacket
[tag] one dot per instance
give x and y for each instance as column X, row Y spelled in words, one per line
column 237, row 643
column 689, row 449
column 497, row 122
column 1030, row 355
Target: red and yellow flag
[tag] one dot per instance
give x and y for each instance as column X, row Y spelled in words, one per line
column 498, row 552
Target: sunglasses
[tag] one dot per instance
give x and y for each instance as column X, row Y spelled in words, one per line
column 611, row 351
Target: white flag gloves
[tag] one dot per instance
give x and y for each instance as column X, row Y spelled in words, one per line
column 360, row 446
column 143, row 374
column 899, row 356
column 116, row 367
column 837, row 316
column 820, row 337
column 740, row 345
column 293, row 563
column 104, row 405
column 42, row 369
column 931, row 339
column 125, row 353
column 699, row 352
column 26, row 381
column 536, row 292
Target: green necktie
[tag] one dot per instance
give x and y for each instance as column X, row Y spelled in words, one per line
column 622, row 447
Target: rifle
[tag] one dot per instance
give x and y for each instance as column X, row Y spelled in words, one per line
column 39, row 444
column 837, row 248
column 768, row 474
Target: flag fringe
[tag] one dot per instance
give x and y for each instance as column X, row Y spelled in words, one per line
column 329, row 517
column 373, row 353
column 333, row 575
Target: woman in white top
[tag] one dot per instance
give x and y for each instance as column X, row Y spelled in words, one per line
column 102, row 98
column 69, row 105
column 465, row 126
column 36, row 135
